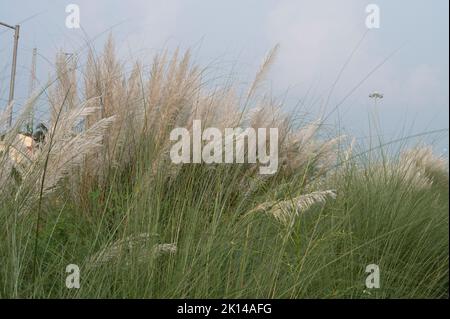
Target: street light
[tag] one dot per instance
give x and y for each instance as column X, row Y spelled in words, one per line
column 13, row 67
column 376, row 96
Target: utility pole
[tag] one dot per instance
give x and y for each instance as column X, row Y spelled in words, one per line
column 31, row 88
column 13, row 66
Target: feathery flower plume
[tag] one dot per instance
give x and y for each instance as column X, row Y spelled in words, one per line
column 286, row 210
column 134, row 243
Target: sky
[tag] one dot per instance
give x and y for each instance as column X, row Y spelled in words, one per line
column 321, row 42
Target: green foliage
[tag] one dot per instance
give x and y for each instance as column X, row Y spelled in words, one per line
column 224, row 252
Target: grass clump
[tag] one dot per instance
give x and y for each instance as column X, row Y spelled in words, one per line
column 101, row 192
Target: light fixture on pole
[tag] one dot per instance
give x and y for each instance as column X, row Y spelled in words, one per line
column 376, row 96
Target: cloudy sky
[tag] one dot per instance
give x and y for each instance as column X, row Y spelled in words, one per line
column 406, row 58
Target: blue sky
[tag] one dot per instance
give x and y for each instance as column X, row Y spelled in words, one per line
column 315, row 37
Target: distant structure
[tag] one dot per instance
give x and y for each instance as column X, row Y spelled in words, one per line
column 376, row 95
column 31, row 87
column 16, row 29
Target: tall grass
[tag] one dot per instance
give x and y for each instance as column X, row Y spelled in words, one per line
column 102, row 193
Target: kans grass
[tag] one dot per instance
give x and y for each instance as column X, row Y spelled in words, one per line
column 102, row 193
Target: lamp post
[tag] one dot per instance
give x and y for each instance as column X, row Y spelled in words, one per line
column 13, row 66
column 376, row 96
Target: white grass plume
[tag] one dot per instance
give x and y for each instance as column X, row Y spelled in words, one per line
column 421, row 168
column 263, row 69
column 134, row 243
column 285, row 211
